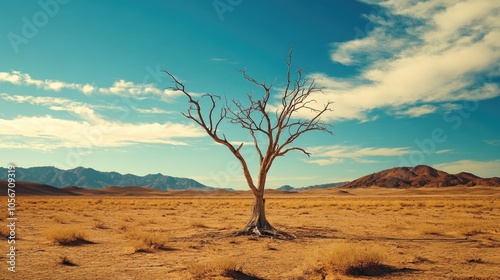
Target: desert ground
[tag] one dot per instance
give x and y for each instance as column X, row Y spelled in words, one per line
column 447, row 233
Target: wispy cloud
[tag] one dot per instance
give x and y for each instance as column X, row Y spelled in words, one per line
column 484, row 169
column 418, row 111
column 325, row 155
column 222, row 60
column 48, row 133
column 495, row 142
column 122, row 87
column 89, row 130
column 445, row 151
column 218, row 59
column 427, row 52
column 153, row 110
column 18, row 78
column 119, row 87
column 84, row 110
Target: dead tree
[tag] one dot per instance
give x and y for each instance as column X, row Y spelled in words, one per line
column 278, row 125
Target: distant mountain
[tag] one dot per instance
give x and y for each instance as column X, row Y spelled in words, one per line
column 420, row 176
column 322, row 186
column 92, row 179
column 286, row 188
column 23, row 188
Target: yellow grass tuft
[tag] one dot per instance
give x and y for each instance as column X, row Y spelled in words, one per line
column 224, row 266
column 66, row 235
column 350, row 259
column 145, row 241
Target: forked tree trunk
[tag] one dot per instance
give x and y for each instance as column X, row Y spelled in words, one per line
column 258, row 224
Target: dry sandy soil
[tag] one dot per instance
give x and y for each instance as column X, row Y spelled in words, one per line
column 451, row 233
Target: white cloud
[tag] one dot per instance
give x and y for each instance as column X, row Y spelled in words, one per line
column 18, row 78
column 87, row 89
column 120, row 87
column 485, row 169
column 13, row 77
column 428, row 52
column 419, row 111
column 222, row 60
column 325, row 155
column 444, row 151
column 449, row 107
column 84, row 110
column 89, row 130
column 48, row 133
column 153, row 110
column 123, row 87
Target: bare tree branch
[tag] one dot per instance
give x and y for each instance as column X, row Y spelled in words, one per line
column 279, row 127
column 273, row 128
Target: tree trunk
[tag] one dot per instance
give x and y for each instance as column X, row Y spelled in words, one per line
column 258, row 224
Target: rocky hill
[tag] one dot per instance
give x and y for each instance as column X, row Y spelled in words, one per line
column 420, row 176
column 92, row 179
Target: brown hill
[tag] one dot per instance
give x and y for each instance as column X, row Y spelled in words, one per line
column 420, row 176
column 24, row 188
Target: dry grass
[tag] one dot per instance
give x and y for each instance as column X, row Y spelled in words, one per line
column 145, row 241
column 223, row 266
column 66, row 261
column 66, row 235
column 182, row 237
column 350, row 259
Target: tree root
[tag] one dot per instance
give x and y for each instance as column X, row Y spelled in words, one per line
column 265, row 232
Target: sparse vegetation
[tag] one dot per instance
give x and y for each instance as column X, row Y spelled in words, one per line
column 352, row 259
column 66, row 261
column 145, row 241
column 166, row 240
column 222, row 266
column 66, row 235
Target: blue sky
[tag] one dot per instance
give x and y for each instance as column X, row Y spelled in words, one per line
column 413, row 83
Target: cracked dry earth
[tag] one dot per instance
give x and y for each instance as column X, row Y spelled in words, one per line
column 420, row 234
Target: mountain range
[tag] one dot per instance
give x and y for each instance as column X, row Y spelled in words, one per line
column 322, row 186
column 420, row 176
column 87, row 181
column 92, row 179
